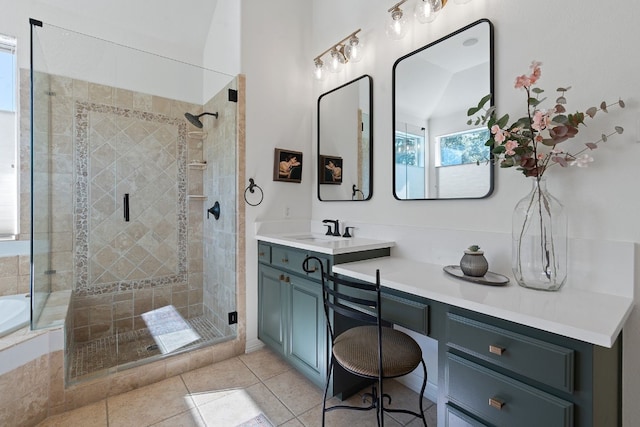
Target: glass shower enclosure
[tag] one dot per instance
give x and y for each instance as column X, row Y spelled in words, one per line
column 121, row 184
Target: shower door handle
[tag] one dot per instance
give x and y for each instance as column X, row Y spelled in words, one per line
column 125, row 204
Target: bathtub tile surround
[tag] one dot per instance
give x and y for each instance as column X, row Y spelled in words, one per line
column 14, row 275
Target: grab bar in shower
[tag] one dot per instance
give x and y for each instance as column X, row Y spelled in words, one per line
column 126, row 207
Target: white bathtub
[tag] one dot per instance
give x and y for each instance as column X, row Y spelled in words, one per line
column 15, row 312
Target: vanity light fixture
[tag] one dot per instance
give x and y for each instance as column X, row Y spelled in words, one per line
column 347, row 49
column 425, row 11
column 397, row 23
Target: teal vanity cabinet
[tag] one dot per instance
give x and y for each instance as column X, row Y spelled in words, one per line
column 290, row 308
column 498, row 373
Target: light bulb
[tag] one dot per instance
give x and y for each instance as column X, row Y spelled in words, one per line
column 397, row 25
column 427, row 10
column 318, row 69
column 353, row 49
column 335, row 61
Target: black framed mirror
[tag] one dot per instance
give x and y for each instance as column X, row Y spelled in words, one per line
column 436, row 154
column 345, row 142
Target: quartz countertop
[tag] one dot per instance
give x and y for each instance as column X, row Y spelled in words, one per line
column 324, row 244
column 588, row 316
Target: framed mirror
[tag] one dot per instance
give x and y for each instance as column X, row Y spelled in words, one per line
column 345, row 141
column 436, row 154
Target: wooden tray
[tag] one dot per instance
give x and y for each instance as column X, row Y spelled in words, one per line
column 491, row 279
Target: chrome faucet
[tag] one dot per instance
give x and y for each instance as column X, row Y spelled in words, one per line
column 336, row 225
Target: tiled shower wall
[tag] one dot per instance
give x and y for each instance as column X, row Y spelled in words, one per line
column 103, row 307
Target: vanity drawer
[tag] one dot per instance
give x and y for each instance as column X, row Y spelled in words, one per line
column 409, row 314
column 288, row 258
column 455, row 418
column 291, row 259
column 399, row 311
column 541, row 361
column 500, row 400
column 264, row 253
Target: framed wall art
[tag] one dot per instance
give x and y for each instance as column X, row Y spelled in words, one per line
column 287, row 165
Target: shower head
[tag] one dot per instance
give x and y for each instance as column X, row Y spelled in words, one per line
column 195, row 120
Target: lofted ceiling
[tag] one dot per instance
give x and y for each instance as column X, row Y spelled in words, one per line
column 169, row 27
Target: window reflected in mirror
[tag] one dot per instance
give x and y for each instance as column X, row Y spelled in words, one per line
column 436, row 154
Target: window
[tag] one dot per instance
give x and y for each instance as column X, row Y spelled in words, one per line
column 409, row 149
column 8, row 139
column 462, row 148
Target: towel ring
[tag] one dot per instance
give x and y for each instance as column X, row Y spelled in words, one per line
column 250, row 189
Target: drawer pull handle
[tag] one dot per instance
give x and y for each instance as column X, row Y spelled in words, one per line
column 284, row 260
column 260, row 253
column 313, row 270
column 494, row 349
column 287, row 279
column 282, row 277
column 496, row 403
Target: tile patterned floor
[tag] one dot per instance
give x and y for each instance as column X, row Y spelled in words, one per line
column 92, row 357
column 231, row 392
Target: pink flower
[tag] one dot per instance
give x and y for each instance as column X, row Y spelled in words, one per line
column 540, row 120
column 540, row 156
column 499, row 134
column 522, row 81
column 510, row 146
column 535, row 71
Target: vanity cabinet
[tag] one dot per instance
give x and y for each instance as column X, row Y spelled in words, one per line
column 498, row 373
column 290, row 309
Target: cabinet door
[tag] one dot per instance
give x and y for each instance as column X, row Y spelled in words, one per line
column 307, row 344
column 271, row 310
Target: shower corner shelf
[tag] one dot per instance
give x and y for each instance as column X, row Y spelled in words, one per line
column 197, row 197
column 197, row 165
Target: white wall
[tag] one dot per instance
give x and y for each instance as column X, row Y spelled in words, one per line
column 276, row 60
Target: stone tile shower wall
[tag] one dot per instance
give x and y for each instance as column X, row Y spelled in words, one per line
column 80, row 113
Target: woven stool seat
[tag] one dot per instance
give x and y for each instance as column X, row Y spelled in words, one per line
column 357, row 351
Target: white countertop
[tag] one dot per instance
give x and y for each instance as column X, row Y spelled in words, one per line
column 592, row 317
column 324, row 244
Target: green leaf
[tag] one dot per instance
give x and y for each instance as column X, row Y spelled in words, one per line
column 619, row 129
column 502, row 122
column 472, row 111
column 560, row 118
column 484, row 100
column 469, row 122
column 603, row 137
column 548, row 142
column 499, row 149
column 533, row 102
column 537, row 90
column 621, row 103
column 591, row 112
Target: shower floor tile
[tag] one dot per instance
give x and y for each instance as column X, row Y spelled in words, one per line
column 92, row 357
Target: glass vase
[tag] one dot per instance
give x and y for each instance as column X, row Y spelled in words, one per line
column 539, row 252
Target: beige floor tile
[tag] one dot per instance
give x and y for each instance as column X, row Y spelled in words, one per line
column 344, row 417
column 265, row 363
column 292, row 423
column 403, row 397
column 295, row 391
column 216, row 381
column 150, row 404
column 431, row 415
column 190, row 418
column 232, row 409
column 269, row 403
column 90, row 415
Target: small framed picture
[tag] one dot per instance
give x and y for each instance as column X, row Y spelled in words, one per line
column 330, row 170
column 287, row 165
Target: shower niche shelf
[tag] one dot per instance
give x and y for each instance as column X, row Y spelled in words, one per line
column 197, row 165
column 196, row 197
column 197, row 134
